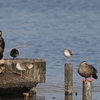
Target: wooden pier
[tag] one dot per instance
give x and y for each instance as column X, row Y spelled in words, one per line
column 10, row 83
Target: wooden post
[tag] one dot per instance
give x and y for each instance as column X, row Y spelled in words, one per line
column 68, row 97
column 68, row 78
column 87, row 90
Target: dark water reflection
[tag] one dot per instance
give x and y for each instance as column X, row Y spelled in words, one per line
column 12, row 97
column 21, row 97
column 34, row 97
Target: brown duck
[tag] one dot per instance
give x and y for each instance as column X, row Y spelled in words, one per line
column 1, row 52
column 2, row 42
column 86, row 70
column 14, row 53
column 2, row 45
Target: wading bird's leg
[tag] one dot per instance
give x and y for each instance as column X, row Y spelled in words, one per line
column 20, row 74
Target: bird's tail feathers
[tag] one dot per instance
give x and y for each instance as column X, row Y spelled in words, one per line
column 95, row 76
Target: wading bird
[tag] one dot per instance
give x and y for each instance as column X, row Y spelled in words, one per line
column 24, row 67
column 67, row 53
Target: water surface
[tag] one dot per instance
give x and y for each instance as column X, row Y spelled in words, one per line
column 53, row 26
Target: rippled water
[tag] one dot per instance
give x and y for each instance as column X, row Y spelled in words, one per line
column 53, row 25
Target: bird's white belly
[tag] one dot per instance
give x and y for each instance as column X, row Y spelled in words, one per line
column 30, row 66
column 67, row 54
column 19, row 67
